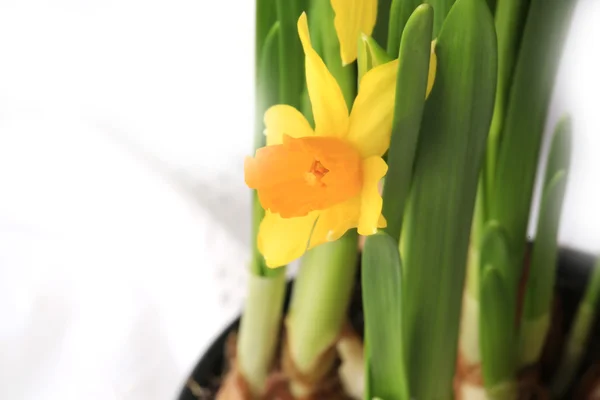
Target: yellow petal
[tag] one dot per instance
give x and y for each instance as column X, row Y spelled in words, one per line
column 328, row 105
column 374, row 168
column 353, row 17
column 282, row 240
column 335, row 221
column 283, row 119
column 373, row 111
column 432, row 69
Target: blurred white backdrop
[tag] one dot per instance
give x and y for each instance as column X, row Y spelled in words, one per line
column 123, row 212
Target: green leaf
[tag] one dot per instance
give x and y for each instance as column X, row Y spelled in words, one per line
column 436, row 230
column 441, row 8
column 267, row 94
column 291, row 57
column 320, row 299
column 577, row 343
column 496, row 328
column 370, row 55
column 380, row 32
column 533, row 78
column 266, row 16
column 400, row 11
column 592, row 292
column 411, row 85
column 559, row 157
column 510, row 22
column 497, row 297
column 382, row 304
column 540, row 286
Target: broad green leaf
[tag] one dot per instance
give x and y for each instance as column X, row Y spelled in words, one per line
column 320, row 298
column 382, row 304
column 497, row 328
column 436, row 230
column 400, row 11
column 413, row 71
column 497, row 297
column 533, row 77
column 441, row 8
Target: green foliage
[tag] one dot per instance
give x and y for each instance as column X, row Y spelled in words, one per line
column 528, row 99
column 370, row 55
column 400, row 11
column 411, row 85
column 540, row 285
column 382, row 301
column 498, row 295
column 291, row 65
column 435, row 234
column 441, row 9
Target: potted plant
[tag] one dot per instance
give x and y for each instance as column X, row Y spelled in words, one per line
column 416, row 127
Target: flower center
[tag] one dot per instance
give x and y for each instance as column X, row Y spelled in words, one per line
column 304, row 174
column 316, row 173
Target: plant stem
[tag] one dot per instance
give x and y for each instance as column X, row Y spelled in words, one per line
column 259, row 329
column 318, row 309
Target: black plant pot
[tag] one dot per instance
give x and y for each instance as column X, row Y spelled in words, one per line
column 574, row 268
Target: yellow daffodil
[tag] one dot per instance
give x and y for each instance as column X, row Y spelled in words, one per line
column 353, row 18
column 317, row 184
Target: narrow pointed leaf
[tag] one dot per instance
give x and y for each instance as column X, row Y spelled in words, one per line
column 370, row 55
column 579, row 336
column 545, row 250
column 411, row 85
column 559, row 157
column 435, row 233
column 533, row 77
column 510, row 21
column 382, row 300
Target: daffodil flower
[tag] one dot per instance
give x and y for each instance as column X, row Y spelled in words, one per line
column 317, row 184
column 353, row 18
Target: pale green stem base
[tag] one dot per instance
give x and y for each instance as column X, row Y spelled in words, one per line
column 352, row 370
column 319, row 302
column 533, row 336
column 469, row 330
column 259, row 329
column 469, row 324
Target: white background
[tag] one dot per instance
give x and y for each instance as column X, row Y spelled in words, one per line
column 123, row 213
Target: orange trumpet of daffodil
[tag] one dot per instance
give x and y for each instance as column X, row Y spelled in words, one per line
column 317, row 184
